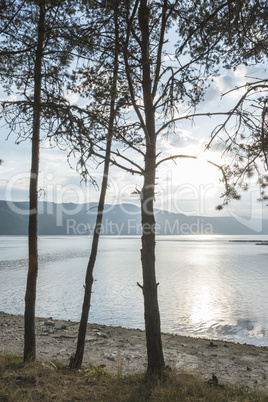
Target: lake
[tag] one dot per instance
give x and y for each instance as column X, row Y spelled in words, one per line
column 208, row 286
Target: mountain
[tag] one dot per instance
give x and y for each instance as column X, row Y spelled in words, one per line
column 120, row 219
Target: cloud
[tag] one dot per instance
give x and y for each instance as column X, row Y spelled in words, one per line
column 225, row 82
column 73, row 98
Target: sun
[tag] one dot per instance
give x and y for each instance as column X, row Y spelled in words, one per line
column 190, row 186
column 193, row 171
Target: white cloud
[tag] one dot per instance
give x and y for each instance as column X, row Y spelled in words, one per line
column 72, row 97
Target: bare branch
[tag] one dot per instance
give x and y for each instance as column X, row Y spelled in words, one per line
column 174, row 157
column 190, row 116
column 130, row 145
column 250, row 88
column 115, row 163
column 117, row 153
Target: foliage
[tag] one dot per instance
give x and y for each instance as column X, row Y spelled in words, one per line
column 235, row 33
column 84, row 129
column 18, row 47
column 244, row 140
column 207, row 34
column 41, row 381
column 96, row 370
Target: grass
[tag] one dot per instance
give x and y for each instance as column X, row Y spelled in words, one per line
column 51, row 381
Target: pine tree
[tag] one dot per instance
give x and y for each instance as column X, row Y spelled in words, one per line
column 35, row 52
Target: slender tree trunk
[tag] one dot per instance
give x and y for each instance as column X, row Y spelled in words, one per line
column 30, row 296
column 151, row 309
column 76, row 360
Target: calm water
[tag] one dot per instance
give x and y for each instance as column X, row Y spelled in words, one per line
column 209, row 287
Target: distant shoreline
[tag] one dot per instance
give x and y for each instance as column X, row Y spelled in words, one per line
column 258, row 242
column 120, row 219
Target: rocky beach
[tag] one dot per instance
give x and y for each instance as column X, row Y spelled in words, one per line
column 122, row 351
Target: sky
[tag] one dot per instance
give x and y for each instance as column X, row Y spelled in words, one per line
column 191, row 187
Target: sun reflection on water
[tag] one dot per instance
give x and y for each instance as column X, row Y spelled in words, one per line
column 204, row 301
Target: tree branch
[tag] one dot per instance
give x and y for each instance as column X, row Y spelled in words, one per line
column 190, row 116
column 203, row 23
column 159, row 50
column 117, row 153
column 115, row 163
column 251, row 87
column 175, row 157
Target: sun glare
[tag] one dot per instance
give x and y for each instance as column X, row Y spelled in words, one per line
column 194, row 171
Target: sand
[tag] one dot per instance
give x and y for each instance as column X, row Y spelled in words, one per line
column 123, row 351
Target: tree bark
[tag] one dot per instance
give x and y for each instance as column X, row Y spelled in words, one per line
column 30, row 296
column 76, row 360
column 151, row 309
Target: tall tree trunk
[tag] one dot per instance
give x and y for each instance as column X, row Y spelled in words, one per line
column 151, row 309
column 30, row 296
column 76, row 360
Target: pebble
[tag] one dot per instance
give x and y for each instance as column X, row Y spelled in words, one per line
column 49, row 323
column 60, row 326
column 90, row 338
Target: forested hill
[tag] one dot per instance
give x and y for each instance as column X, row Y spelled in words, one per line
column 121, row 219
